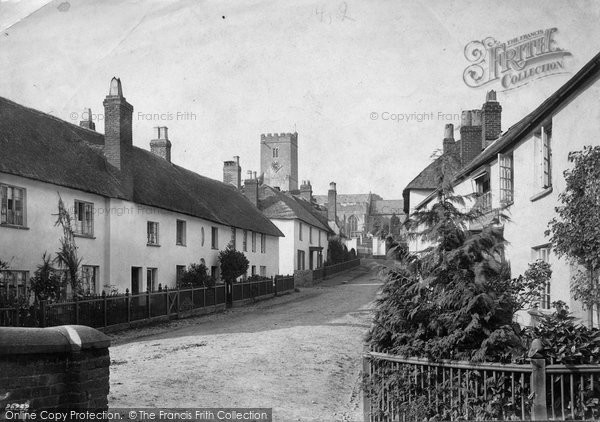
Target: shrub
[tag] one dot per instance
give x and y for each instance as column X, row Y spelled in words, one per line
column 336, row 251
column 234, row 263
column 196, row 275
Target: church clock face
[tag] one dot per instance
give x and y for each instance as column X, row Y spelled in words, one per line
column 276, row 166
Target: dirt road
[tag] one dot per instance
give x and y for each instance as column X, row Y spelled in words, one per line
column 299, row 354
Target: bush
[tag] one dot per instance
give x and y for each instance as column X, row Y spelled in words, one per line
column 196, row 275
column 234, row 263
column 337, row 253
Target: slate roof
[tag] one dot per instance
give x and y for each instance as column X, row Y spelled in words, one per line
column 283, row 205
column 42, row 147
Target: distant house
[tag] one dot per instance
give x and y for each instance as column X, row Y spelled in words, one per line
column 139, row 219
column 305, row 228
column 522, row 170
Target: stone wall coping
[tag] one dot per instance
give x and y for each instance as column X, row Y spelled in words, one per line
column 61, row 339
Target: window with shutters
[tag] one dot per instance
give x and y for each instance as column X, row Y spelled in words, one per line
column 505, row 162
column 12, row 206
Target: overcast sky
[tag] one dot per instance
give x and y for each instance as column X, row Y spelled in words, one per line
column 234, row 70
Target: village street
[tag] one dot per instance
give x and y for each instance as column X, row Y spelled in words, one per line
column 299, row 354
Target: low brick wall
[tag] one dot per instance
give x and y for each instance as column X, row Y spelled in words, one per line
column 65, row 367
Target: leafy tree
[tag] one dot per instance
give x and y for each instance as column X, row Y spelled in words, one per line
column 67, row 256
column 575, row 232
column 196, row 275
column 3, row 265
column 233, row 263
column 456, row 299
column 46, row 282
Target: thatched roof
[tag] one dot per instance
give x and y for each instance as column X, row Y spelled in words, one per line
column 42, row 147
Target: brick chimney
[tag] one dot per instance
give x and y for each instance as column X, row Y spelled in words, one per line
column 87, row 122
column 491, row 120
column 470, row 135
column 232, row 172
column 449, row 138
column 306, row 190
column 251, row 189
column 332, row 203
column 117, row 125
column 161, row 145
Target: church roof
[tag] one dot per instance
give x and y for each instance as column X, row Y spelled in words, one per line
column 42, row 147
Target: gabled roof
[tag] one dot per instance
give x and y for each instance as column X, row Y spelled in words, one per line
column 283, row 205
column 523, row 127
column 42, row 147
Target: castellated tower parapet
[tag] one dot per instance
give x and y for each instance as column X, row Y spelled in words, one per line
column 279, row 160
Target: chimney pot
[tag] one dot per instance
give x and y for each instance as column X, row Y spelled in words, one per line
column 118, row 125
column 161, row 145
column 87, row 121
column 332, row 203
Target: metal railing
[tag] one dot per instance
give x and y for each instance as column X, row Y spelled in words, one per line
column 398, row 389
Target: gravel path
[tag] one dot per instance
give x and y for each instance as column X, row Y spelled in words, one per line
column 299, row 354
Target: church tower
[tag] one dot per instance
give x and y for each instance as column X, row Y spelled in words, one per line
column 279, row 160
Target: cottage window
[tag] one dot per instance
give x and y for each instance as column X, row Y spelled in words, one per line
column 14, row 283
column 89, row 278
column 153, row 233
column 245, row 241
column 542, row 253
column 253, row 242
column 506, row 178
column 263, row 271
column 543, row 142
column 233, row 237
column 300, row 232
column 263, row 243
column 84, row 218
column 253, row 272
column 484, row 193
column 310, row 238
column 12, row 205
column 214, row 238
column 181, row 233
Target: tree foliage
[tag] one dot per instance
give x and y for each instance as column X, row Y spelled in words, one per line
column 233, row 263
column 456, row 299
column 67, row 256
column 575, row 232
column 336, row 251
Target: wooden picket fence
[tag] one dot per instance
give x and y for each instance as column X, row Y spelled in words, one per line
column 116, row 311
